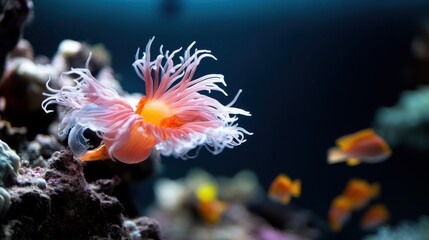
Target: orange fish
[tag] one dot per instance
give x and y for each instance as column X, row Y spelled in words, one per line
column 283, row 188
column 360, row 192
column 211, row 211
column 363, row 146
column 339, row 213
column 374, row 216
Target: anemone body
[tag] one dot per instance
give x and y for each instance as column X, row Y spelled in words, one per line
column 173, row 117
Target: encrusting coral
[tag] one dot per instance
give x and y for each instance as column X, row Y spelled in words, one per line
column 9, row 164
column 406, row 230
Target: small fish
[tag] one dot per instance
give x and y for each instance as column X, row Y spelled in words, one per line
column 211, row 212
column 363, row 146
column 360, row 192
column 375, row 216
column 283, row 188
column 209, row 207
column 339, row 213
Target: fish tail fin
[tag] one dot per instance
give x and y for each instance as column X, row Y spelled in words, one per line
column 353, row 162
column 296, row 188
column 336, row 155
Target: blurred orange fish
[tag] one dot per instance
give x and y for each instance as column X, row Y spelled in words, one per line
column 363, row 146
column 360, row 192
column 375, row 216
column 339, row 213
column 211, row 211
column 283, row 188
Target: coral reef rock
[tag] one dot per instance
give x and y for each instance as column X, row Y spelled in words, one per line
column 58, row 203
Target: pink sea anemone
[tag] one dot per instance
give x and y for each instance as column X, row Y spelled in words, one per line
column 173, row 117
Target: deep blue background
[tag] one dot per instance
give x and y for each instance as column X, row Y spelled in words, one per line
column 310, row 72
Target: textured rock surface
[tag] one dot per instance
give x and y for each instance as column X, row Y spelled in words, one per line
column 66, row 208
column 58, row 203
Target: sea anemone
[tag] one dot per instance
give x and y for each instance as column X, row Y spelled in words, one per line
column 173, row 117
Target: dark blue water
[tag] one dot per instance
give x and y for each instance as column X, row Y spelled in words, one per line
column 310, row 72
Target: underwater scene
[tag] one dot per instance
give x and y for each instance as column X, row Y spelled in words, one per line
column 214, row 119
